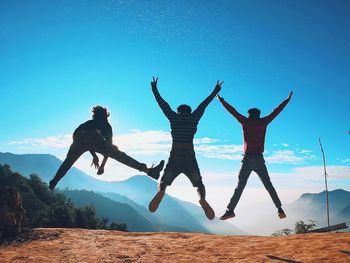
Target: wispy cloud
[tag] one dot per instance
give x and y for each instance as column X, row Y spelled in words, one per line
column 288, row 157
column 305, row 151
column 158, row 142
column 60, row 141
column 138, row 142
column 334, row 171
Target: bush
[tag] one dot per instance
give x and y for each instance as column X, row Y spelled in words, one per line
column 301, row 227
column 283, row 232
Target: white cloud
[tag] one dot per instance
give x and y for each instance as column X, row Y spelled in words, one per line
column 305, row 151
column 333, row 172
column 60, row 141
column 285, row 157
column 346, row 160
column 144, row 142
column 158, row 142
column 289, row 157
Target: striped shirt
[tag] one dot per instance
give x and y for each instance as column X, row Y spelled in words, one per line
column 183, row 126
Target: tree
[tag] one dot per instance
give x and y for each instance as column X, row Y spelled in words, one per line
column 301, row 227
column 283, row 232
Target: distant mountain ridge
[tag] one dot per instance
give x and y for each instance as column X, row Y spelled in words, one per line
column 114, row 211
column 172, row 215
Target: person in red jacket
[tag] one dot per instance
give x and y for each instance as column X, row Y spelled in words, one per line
column 254, row 131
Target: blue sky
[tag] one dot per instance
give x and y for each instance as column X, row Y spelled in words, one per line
column 59, row 58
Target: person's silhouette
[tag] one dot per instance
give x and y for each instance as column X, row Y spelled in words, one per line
column 182, row 158
column 96, row 136
column 254, row 130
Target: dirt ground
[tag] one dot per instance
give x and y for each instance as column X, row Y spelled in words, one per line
column 81, row 245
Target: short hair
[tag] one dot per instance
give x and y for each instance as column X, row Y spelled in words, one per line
column 99, row 112
column 254, row 113
column 183, row 108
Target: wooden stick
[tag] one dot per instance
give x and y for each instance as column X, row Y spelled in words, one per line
column 325, row 180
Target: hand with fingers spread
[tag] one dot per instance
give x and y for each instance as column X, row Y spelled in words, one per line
column 218, row 87
column 95, row 162
column 154, row 82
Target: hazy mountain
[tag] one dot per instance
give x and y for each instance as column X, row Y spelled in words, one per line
column 46, row 166
column 116, row 212
column 172, row 215
column 141, row 189
column 313, row 206
column 215, row 226
column 345, row 214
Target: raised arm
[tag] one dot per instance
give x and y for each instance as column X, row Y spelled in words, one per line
column 165, row 107
column 277, row 111
column 232, row 110
column 198, row 113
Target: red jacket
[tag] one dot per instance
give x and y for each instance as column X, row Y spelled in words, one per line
column 254, row 130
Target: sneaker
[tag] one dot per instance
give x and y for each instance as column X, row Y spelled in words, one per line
column 209, row 212
column 52, row 184
column 153, row 205
column 154, row 172
column 228, row 214
column 281, row 213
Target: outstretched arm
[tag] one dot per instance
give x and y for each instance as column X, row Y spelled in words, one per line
column 168, row 112
column 232, row 110
column 280, row 107
column 198, row 113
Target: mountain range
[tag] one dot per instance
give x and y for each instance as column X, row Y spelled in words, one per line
column 121, row 201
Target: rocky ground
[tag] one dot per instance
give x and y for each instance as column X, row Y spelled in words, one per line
column 81, row 245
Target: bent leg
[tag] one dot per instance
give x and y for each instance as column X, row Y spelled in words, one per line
column 264, row 177
column 242, row 181
column 75, row 151
column 201, row 190
column 166, row 180
column 209, row 212
column 123, row 158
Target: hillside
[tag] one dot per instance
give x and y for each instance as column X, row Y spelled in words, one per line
column 114, row 211
column 80, row 245
column 136, row 192
column 313, row 206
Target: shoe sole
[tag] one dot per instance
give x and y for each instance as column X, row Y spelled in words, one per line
column 209, row 212
column 281, row 216
column 227, row 217
column 153, row 205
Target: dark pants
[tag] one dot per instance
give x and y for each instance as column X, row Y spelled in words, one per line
column 93, row 141
column 183, row 161
column 256, row 163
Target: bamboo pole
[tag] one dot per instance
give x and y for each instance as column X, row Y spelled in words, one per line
column 325, row 180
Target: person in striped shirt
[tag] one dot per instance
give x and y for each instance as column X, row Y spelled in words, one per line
column 182, row 158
